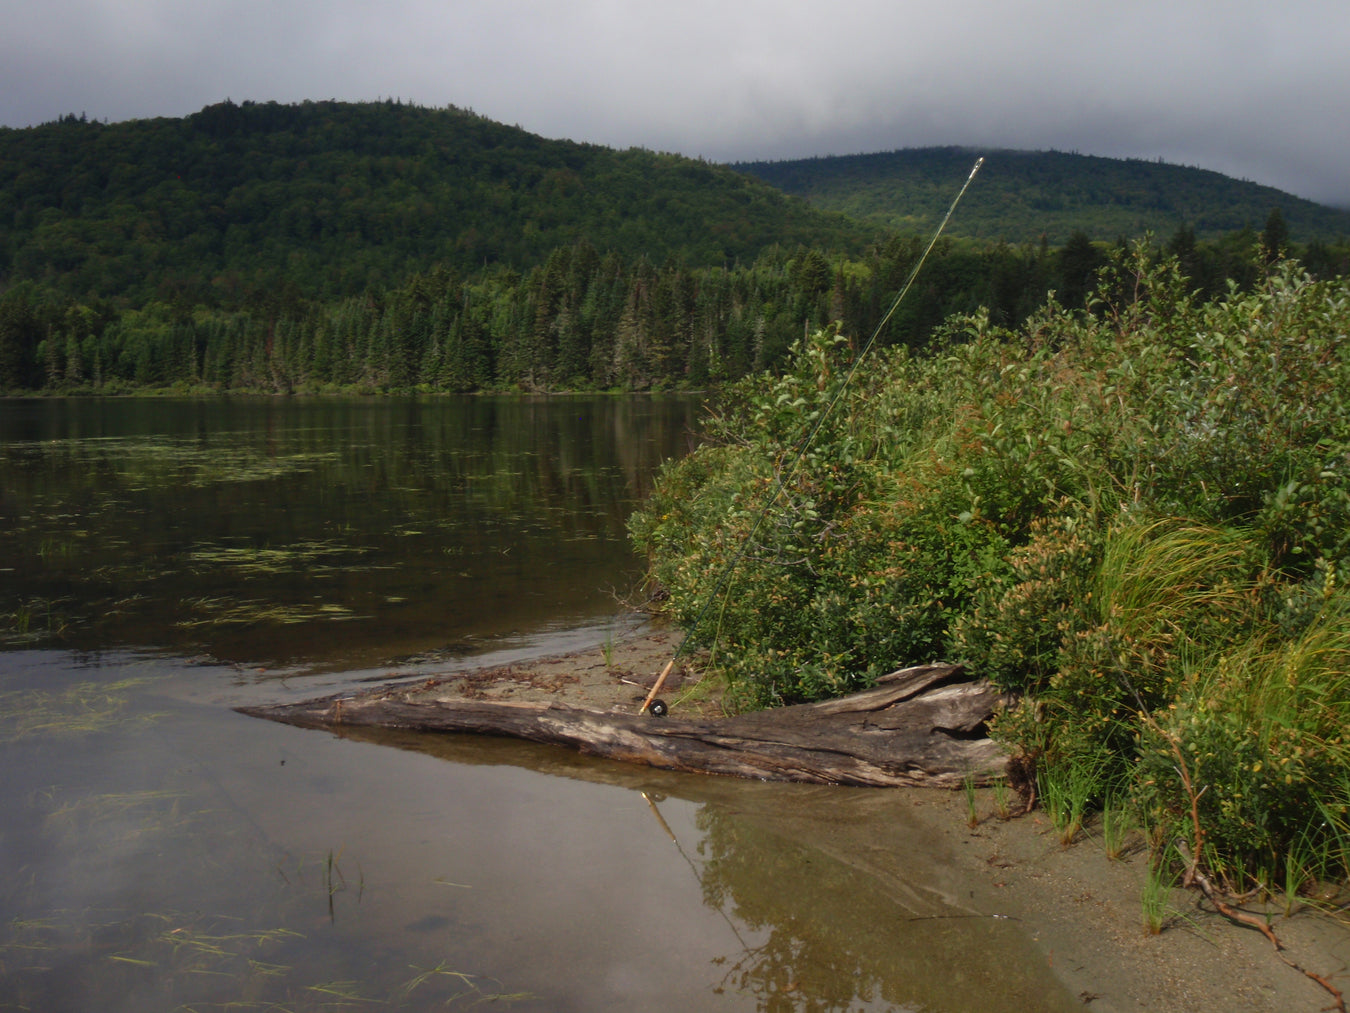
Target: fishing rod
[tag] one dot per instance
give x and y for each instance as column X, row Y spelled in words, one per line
column 658, row 708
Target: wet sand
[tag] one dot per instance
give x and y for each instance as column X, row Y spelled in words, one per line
column 1082, row 910
column 1085, row 913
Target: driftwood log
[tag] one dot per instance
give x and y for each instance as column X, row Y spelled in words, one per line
column 922, row 726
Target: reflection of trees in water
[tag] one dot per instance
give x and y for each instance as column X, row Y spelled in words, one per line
column 836, row 938
column 561, row 460
column 258, row 530
column 809, row 961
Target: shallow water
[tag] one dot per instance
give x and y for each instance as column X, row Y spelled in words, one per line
column 162, row 852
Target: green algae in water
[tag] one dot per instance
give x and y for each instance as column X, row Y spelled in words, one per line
column 86, row 708
column 270, row 559
column 227, row 612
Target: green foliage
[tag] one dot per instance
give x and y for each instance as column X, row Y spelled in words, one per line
column 844, row 565
column 249, row 200
column 1260, row 725
column 1131, row 517
column 382, row 246
column 578, row 321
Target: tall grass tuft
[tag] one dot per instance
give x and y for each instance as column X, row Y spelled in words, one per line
column 1067, row 789
column 1002, row 798
column 972, row 811
column 1155, row 896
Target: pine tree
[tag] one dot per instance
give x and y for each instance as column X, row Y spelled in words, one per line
column 630, row 339
column 1274, row 237
column 1078, row 263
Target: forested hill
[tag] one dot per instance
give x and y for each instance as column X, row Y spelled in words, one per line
column 332, row 197
column 387, row 247
column 1024, row 195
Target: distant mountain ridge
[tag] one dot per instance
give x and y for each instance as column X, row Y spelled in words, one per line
column 245, row 203
column 1020, row 196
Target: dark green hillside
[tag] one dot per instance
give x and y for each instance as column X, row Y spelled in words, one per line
column 326, row 198
column 384, row 247
column 1024, row 195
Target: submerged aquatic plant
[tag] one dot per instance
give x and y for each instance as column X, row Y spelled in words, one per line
column 209, row 962
column 82, row 709
column 472, row 991
column 249, row 560
column 32, row 620
column 216, row 611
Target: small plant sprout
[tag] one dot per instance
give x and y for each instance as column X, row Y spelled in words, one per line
column 972, row 814
column 1156, row 894
column 1002, row 803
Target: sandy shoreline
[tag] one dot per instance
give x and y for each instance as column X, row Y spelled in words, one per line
column 1081, row 910
column 614, row 676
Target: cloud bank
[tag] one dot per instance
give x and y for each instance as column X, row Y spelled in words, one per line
column 1254, row 90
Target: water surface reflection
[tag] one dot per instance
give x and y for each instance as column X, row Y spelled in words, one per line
column 321, row 534
column 184, row 856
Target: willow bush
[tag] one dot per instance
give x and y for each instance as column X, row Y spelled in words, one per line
column 1129, row 516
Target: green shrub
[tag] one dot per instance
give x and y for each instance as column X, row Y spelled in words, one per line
column 1129, row 517
column 810, row 570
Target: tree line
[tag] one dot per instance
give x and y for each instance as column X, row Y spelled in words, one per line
column 581, row 320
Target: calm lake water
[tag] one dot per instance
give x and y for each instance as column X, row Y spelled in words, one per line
column 164, row 561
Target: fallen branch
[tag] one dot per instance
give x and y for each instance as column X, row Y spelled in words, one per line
column 921, row 726
column 1194, row 877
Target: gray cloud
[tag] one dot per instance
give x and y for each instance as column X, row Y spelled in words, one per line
column 1255, row 90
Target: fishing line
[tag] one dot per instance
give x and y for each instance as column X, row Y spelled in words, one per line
column 787, row 474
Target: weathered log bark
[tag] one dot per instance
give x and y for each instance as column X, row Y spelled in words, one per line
column 919, row 726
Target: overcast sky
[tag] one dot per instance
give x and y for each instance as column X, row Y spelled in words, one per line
column 1257, row 90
